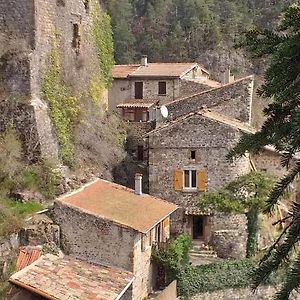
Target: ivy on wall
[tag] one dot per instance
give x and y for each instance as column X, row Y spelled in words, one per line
column 102, row 36
column 62, row 105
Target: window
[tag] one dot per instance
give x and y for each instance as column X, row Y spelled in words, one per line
column 140, row 153
column 61, row 3
column 190, row 179
column 162, row 88
column 138, row 90
column 86, row 5
column 76, row 37
column 129, row 115
column 145, row 116
column 193, row 154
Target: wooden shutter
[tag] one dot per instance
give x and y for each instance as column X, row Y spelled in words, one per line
column 178, row 177
column 201, row 176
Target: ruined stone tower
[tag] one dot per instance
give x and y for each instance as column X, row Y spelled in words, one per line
column 29, row 29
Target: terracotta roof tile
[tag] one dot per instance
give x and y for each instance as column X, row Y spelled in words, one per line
column 122, row 71
column 120, row 205
column 68, row 278
column 27, row 256
column 154, row 70
column 142, row 103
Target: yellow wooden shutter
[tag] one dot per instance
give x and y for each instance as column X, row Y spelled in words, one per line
column 178, row 180
column 201, row 175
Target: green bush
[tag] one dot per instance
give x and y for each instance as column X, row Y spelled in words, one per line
column 175, row 256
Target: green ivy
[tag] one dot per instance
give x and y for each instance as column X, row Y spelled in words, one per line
column 102, row 36
column 213, row 277
column 174, row 257
column 63, row 106
column 96, row 89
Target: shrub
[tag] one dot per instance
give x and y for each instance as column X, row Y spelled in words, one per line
column 216, row 276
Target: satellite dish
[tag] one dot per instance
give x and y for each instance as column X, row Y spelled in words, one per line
column 164, row 111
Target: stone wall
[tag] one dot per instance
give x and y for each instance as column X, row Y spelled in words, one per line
column 233, row 100
column 93, row 239
column 9, row 246
column 169, row 293
column 189, row 87
column 170, row 149
column 29, row 30
column 135, row 134
column 269, row 161
column 262, row 293
column 16, row 23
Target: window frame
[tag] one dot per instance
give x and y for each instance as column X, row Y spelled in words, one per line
column 190, row 187
column 164, row 88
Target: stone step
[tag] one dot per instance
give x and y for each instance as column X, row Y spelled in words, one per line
column 200, row 248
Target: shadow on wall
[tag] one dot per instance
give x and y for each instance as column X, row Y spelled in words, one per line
column 124, row 173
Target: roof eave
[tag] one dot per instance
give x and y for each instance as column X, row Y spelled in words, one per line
column 158, row 222
column 153, row 77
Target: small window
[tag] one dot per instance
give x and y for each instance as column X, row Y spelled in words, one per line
column 61, row 3
column 86, row 5
column 193, row 154
column 140, row 153
column 190, row 179
column 76, row 37
column 162, row 88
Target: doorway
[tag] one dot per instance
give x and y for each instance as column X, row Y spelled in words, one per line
column 138, row 90
column 198, row 227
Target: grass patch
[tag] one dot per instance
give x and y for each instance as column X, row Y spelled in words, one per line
column 13, row 214
column 23, row 209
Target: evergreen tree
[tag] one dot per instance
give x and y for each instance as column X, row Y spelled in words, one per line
column 121, row 18
column 282, row 130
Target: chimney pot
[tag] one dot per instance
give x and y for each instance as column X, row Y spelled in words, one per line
column 138, row 184
column 144, row 61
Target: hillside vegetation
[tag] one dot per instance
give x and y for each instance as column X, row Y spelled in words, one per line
column 190, row 30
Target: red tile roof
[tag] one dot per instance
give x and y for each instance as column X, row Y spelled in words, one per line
column 140, row 103
column 154, row 70
column 67, row 278
column 122, row 71
column 120, row 205
column 27, row 256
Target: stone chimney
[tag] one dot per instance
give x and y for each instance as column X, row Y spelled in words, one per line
column 228, row 78
column 138, row 184
column 144, row 61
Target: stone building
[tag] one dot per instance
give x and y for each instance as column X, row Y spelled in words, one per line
column 139, row 91
column 30, row 31
column 112, row 225
column 161, row 82
column 187, row 157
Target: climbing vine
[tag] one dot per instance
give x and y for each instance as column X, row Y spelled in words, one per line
column 63, row 106
column 102, row 36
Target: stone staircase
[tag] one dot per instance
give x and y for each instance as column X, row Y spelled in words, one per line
column 201, row 254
